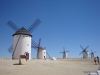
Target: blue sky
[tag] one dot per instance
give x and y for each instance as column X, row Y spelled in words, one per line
column 65, row 23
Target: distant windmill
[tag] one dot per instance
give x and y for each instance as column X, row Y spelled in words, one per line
column 65, row 55
column 92, row 54
column 41, row 51
column 22, row 39
column 85, row 52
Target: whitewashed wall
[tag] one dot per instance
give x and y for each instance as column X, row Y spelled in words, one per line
column 64, row 55
column 42, row 53
column 85, row 55
column 23, row 46
column 92, row 55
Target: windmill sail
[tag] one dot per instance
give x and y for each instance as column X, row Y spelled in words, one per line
column 12, row 25
column 10, row 49
column 33, row 44
column 34, row 26
column 48, row 54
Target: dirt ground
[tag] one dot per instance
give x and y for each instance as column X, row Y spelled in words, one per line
column 70, row 66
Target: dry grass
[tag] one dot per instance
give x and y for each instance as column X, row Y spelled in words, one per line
column 48, row 67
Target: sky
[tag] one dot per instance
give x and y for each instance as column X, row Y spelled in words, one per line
column 64, row 23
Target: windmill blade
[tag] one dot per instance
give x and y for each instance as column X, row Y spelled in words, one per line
column 16, row 45
column 64, row 48
column 38, row 47
column 48, row 54
column 61, row 52
column 10, row 49
column 82, row 47
column 86, row 47
column 34, row 44
column 34, row 26
column 81, row 53
column 12, row 25
column 66, row 51
column 91, row 51
column 39, row 42
column 86, row 52
column 95, row 52
column 34, row 47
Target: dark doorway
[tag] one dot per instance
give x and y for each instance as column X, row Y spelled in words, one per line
column 28, row 56
column 44, row 56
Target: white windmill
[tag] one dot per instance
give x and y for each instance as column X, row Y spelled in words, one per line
column 85, row 52
column 22, row 39
column 41, row 51
column 92, row 54
column 65, row 54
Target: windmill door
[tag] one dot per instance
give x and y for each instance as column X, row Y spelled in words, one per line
column 28, row 55
column 44, row 57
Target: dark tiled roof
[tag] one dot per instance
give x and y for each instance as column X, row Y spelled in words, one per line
column 22, row 31
column 43, row 48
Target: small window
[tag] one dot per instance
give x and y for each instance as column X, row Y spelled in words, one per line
column 27, row 36
column 23, row 35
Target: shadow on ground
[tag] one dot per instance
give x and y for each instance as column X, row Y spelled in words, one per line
column 16, row 64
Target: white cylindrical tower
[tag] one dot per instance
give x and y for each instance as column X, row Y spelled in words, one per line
column 64, row 54
column 21, row 43
column 92, row 55
column 42, row 53
column 86, row 54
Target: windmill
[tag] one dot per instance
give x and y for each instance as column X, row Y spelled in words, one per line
column 41, row 51
column 92, row 54
column 65, row 55
column 85, row 52
column 22, row 39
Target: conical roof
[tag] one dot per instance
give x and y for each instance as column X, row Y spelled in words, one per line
column 22, row 31
column 85, row 50
column 43, row 48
